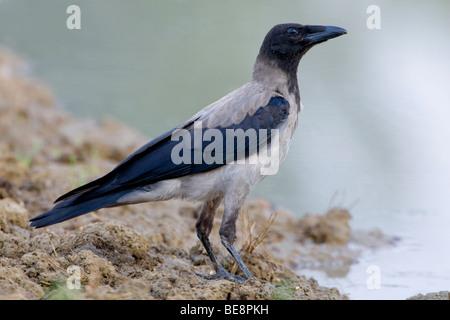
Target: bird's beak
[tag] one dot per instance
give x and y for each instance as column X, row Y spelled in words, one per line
column 317, row 34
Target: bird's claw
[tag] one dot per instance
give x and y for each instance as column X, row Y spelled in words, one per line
column 222, row 274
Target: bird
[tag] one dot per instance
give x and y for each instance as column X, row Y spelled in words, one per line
column 216, row 156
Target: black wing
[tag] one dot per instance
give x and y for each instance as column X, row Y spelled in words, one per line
column 154, row 161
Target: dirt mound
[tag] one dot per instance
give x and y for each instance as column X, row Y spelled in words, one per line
column 441, row 295
column 117, row 262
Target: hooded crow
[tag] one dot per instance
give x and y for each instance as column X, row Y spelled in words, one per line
column 217, row 155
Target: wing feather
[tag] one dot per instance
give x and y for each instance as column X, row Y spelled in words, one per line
column 153, row 162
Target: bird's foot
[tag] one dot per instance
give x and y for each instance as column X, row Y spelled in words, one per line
column 222, row 274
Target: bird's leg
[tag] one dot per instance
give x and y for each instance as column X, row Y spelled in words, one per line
column 204, row 226
column 221, row 273
column 236, row 257
column 228, row 230
column 228, row 235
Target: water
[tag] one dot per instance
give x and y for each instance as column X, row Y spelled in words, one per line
column 374, row 129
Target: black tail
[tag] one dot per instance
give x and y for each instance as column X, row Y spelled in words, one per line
column 75, row 207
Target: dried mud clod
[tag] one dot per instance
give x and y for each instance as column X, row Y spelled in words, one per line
column 331, row 228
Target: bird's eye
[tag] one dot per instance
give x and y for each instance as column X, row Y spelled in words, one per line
column 292, row 31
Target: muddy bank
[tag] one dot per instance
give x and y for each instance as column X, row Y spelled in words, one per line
column 146, row 251
column 441, row 295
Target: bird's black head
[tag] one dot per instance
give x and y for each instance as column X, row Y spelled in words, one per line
column 287, row 43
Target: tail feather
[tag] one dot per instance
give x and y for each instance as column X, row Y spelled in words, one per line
column 72, row 208
column 85, row 189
